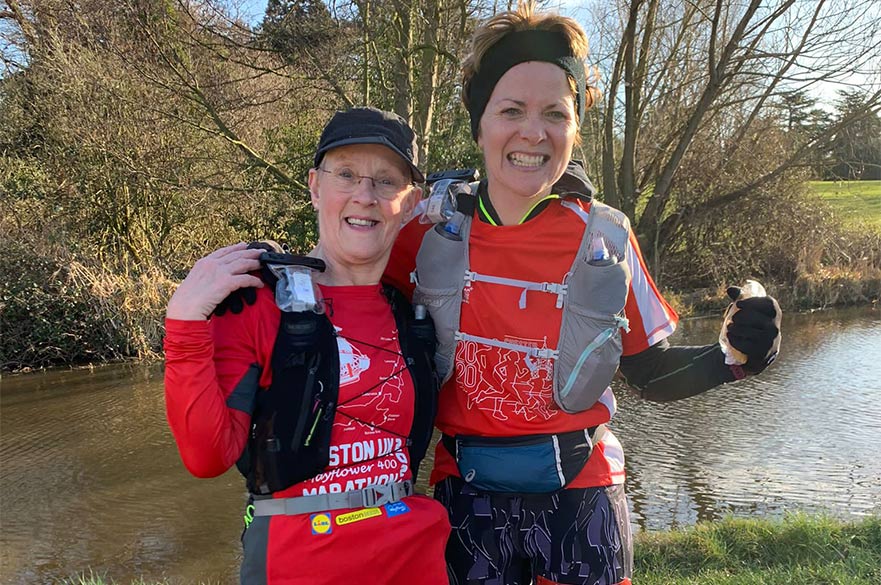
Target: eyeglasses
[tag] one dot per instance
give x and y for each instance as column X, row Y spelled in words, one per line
column 384, row 186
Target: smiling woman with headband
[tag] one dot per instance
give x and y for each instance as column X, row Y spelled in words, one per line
column 538, row 293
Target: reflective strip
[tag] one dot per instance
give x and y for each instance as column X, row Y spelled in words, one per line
column 556, row 288
column 598, row 434
column 559, row 461
column 575, row 208
column 614, row 456
column 656, row 321
column 604, row 336
column 607, row 399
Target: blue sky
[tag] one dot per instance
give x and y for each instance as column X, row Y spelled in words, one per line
column 255, row 9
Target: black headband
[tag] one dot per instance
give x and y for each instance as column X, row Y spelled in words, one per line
column 519, row 47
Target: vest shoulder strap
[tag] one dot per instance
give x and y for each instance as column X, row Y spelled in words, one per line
column 574, row 183
column 418, row 343
column 467, row 202
column 291, row 426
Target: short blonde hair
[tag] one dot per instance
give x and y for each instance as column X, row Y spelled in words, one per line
column 522, row 19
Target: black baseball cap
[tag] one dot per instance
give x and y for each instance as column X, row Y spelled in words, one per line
column 370, row 126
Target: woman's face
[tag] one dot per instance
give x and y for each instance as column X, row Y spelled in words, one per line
column 527, row 132
column 357, row 222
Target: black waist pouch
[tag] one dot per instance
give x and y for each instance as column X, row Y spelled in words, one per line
column 529, row 464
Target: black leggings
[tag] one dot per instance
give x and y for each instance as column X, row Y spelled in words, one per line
column 574, row 536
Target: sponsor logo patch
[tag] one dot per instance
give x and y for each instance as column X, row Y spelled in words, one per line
column 321, row 524
column 396, row 509
column 357, row 516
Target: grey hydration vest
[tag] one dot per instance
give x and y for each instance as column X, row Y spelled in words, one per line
column 591, row 296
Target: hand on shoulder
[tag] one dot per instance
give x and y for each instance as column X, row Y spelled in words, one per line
column 212, row 279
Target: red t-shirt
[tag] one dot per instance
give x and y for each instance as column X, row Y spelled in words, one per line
column 492, row 391
column 205, row 360
column 376, row 399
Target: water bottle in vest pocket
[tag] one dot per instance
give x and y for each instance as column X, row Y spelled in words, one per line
column 590, row 333
column 439, row 283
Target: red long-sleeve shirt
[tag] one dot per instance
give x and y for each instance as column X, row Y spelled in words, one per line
column 213, row 369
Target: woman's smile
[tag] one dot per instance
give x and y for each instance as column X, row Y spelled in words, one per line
column 527, row 161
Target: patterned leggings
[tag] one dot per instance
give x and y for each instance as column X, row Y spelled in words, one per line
column 574, row 536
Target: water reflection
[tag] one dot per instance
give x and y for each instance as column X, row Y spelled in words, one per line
column 802, row 436
column 91, row 478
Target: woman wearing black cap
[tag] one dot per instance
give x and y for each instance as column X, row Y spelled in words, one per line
column 536, row 292
column 323, row 390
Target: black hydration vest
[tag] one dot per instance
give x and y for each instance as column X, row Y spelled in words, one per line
column 289, row 440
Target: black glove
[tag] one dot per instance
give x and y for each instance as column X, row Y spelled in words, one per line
column 755, row 330
column 236, row 301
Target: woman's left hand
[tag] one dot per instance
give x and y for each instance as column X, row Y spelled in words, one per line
column 211, row 280
column 755, row 331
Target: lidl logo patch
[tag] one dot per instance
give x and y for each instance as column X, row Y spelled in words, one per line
column 321, row 524
column 362, row 514
column 396, row 509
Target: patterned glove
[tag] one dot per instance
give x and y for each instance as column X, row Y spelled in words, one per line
column 239, row 298
column 755, row 330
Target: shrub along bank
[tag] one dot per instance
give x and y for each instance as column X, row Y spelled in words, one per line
column 55, row 311
column 63, row 304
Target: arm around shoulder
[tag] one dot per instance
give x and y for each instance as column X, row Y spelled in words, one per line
column 402, row 260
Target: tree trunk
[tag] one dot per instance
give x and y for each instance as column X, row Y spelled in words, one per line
column 403, row 69
column 427, row 83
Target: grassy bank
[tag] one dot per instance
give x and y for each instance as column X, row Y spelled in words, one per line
column 857, row 202
column 799, row 550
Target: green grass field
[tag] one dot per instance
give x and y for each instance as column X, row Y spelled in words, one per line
column 857, row 202
column 798, row 550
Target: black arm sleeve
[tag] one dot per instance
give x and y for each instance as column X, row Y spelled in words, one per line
column 663, row 372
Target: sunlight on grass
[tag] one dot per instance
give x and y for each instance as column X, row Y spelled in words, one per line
column 799, row 550
column 857, row 202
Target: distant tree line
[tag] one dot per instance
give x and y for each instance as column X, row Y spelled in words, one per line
column 854, row 153
column 136, row 135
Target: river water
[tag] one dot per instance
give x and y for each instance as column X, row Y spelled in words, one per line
column 90, row 477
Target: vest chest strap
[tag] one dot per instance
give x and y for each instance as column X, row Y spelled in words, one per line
column 369, row 497
column 557, row 288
